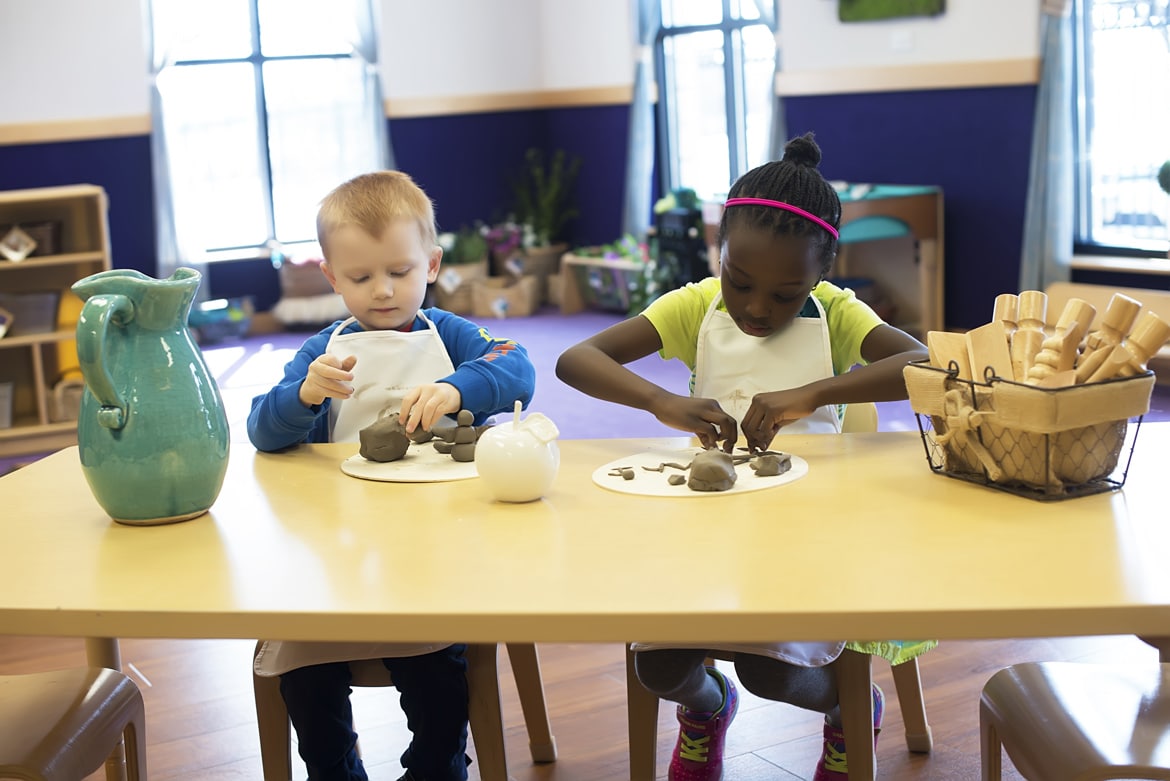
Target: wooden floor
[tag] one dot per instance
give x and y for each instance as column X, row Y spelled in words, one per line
column 201, row 723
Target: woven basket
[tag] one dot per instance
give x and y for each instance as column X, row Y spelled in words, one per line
column 453, row 287
column 540, row 262
column 1049, row 443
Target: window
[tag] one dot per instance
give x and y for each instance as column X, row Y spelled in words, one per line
column 716, row 60
column 266, row 105
column 1122, row 54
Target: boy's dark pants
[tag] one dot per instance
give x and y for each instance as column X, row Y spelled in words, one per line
column 433, row 694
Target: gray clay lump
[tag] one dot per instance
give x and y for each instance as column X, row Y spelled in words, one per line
column 384, row 440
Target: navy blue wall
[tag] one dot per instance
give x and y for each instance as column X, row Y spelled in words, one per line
column 120, row 165
column 973, row 143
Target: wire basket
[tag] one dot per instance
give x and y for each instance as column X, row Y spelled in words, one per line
column 1043, row 443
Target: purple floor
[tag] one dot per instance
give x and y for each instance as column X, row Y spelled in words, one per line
column 244, row 368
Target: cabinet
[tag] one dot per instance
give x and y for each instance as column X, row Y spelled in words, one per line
column 36, row 356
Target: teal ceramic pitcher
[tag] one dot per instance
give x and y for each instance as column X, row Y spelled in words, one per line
column 152, row 433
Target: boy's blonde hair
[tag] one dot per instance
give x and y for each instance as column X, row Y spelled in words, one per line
column 371, row 201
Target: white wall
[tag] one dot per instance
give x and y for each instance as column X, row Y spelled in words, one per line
column 812, row 38
column 81, row 59
column 72, row 59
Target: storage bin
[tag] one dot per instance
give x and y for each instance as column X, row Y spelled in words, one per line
column 498, row 297
column 32, row 313
column 1045, row 443
column 6, row 390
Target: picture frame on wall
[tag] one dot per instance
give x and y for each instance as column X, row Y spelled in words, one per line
column 871, row 10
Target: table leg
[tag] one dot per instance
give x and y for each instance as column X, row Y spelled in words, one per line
column 105, row 652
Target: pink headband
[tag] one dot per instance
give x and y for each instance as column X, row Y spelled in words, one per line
column 786, row 207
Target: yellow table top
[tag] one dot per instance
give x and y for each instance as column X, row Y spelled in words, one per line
column 870, row 544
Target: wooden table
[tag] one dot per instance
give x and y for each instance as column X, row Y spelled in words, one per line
column 870, row 544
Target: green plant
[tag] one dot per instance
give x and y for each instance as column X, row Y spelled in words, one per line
column 467, row 245
column 544, row 193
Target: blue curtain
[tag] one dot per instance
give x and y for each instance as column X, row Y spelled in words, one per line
column 778, row 135
column 640, row 143
column 366, row 47
column 176, row 241
column 1048, row 216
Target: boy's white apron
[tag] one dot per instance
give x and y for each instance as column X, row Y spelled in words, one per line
column 389, row 364
column 731, row 367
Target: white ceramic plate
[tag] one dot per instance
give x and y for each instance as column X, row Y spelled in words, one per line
column 651, row 483
column 421, row 464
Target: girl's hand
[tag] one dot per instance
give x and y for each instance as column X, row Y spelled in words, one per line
column 329, row 377
column 424, row 405
column 702, row 417
column 770, row 412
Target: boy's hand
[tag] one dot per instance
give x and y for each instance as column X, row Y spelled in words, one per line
column 329, row 378
column 424, row 405
column 702, row 417
column 770, row 412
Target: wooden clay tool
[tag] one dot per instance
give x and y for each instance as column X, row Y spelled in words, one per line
column 947, row 346
column 1029, row 335
column 1058, row 352
column 1007, row 305
column 1119, row 317
column 988, row 346
column 1130, row 357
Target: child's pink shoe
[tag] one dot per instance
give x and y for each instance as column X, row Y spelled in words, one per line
column 832, row 766
column 698, row 754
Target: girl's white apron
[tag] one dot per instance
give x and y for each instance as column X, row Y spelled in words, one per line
column 731, row 367
column 389, row 364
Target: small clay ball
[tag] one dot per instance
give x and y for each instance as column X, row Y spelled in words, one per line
column 676, row 479
column 463, row 451
column 464, row 418
column 384, row 440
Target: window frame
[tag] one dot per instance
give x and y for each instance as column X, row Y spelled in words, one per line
column 733, row 90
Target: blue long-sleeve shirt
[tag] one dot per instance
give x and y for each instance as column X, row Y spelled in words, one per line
column 490, row 375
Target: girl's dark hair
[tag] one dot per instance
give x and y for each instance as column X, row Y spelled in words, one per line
column 794, row 180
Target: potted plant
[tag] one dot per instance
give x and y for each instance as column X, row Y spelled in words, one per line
column 529, row 242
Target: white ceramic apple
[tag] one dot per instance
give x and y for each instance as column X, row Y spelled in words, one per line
column 518, row 459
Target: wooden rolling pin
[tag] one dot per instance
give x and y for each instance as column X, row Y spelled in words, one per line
column 1130, row 357
column 1058, row 352
column 1029, row 335
column 1119, row 317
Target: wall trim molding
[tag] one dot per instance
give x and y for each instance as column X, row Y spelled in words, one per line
column 955, row 75
column 900, row 78
column 404, row 108
column 74, row 130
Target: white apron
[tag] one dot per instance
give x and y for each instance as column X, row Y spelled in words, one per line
column 731, row 367
column 389, row 364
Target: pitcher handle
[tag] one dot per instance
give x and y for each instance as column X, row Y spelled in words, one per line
column 92, row 328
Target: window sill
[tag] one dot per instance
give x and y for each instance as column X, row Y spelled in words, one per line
column 1157, row 266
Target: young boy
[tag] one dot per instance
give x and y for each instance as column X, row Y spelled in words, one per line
column 377, row 232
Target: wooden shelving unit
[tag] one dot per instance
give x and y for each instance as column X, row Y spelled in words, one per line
column 33, row 362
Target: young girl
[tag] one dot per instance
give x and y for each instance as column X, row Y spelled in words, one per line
column 770, row 345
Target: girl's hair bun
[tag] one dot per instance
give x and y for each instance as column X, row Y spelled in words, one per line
column 803, row 150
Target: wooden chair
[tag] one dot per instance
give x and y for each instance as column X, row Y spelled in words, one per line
column 487, row 730
column 1077, row 721
column 854, row 682
column 63, row 725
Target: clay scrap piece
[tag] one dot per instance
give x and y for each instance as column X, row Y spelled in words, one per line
column 712, row 470
column 625, row 473
column 384, row 440
column 676, row 479
column 771, row 464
